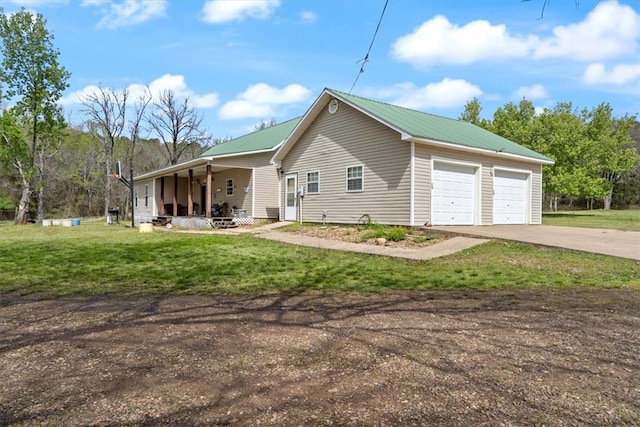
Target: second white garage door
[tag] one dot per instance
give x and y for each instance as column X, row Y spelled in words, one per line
column 510, row 195
column 453, row 197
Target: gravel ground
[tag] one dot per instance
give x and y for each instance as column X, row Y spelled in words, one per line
column 449, row 358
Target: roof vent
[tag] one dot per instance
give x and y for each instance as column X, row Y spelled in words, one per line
column 333, row 106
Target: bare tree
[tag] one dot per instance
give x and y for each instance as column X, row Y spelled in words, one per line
column 265, row 124
column 177, row 126
column 106, row 111
column 135, row 122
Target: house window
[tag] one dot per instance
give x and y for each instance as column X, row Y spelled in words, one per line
column 146, row 196
column 135, row 197
column 229, row 187
column 313, row 182
column 355, row 178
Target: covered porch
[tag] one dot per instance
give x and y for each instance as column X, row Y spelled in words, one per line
column 198, row 188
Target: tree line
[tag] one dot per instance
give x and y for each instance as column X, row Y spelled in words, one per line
column 74, row 166
column 597, row 161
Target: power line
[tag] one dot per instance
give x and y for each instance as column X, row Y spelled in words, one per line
column 366, row 57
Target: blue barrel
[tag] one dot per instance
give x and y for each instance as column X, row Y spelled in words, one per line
column 75, row 222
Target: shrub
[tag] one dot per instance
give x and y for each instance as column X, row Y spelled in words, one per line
column 395, row 234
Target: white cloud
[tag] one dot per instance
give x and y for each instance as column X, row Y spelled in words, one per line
column 219, row 11
column 531, row 92
column 609, row 30
column 261, row 101
column 618, row 75
column 38, row 2
column 176, row 83
column 440, row 41
column 308, row 17
column 447, row 93
column 127, row 12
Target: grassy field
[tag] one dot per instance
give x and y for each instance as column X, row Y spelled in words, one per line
column 95, row 259
column 628, row 220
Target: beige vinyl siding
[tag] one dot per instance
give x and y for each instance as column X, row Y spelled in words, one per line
column 239, row 199
column 422, row 184
column 334, row 142
column 266, row 192
column 486, row 193
column 536, row 195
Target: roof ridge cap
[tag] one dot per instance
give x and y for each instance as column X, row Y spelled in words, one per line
column 395, row 106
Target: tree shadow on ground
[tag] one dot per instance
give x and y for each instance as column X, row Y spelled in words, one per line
column 410, row 358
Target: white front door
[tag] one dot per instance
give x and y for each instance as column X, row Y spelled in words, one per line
column 510, row 197
column 290, row 203
column 453, row 198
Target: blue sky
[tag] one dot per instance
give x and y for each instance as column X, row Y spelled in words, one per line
column 243, row 61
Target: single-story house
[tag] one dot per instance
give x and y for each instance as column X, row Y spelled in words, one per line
column 349, row 156
column 235, row 176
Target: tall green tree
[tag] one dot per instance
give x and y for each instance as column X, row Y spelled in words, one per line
column 471, row 114
column 559, row 134
column 612, row 149
column 515, row 122
column 33, row 82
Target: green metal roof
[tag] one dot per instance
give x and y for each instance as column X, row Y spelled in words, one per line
column 436, row 128
column 261, row 140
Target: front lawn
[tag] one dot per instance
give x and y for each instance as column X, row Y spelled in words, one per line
column 627, row 220
column 94, row 259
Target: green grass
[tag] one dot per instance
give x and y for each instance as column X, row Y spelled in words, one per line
column 627, row 220
column 96, row 259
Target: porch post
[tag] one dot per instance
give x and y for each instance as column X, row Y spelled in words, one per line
column 207, row 208
column 175, row 194
column 162, row 211
column 190, row 194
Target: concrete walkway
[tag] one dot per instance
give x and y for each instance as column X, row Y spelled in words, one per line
column 449, row 246
column 624, row 244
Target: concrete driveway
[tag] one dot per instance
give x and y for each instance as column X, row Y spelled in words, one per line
column 625, row 244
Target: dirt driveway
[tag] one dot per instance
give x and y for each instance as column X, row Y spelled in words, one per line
column 404, row 358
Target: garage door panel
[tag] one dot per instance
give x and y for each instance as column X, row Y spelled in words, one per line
column 453, row 194
column 510, row 195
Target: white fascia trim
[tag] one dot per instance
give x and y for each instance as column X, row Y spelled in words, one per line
column 244, row 153
column 174, row 168
column 478, row 150
column 412, row 185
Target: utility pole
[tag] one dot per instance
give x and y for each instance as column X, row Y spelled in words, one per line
column 129, row 184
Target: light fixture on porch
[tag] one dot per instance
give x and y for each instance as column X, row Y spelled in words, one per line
column 246, row 188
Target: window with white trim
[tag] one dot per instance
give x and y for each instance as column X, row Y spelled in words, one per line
column 146, row 196
column 230, row 187
column 313, row 182
column 355, row 178
column 135, row 196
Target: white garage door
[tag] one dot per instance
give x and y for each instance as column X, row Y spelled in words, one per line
column 453, row 195
column 510, row 197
